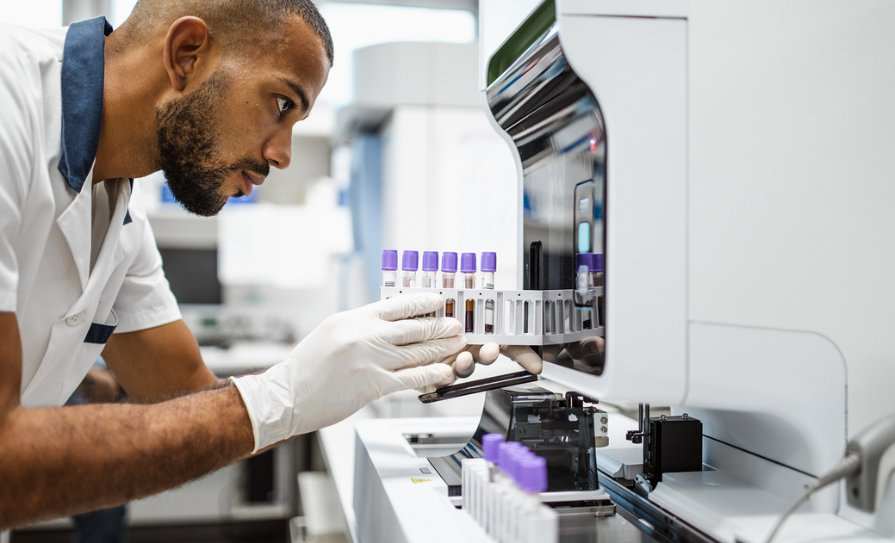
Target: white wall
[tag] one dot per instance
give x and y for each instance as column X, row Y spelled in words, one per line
column 449, row 184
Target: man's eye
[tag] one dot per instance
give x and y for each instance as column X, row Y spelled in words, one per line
column 284, row 104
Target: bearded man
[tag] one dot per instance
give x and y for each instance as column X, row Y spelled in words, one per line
column 208, row 92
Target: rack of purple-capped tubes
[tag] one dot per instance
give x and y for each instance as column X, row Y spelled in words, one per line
column 507, row 317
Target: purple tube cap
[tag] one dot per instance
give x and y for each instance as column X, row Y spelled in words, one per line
column 430, row 261
column 531, row 474
column 490, row 445
column 389, row 260
column 594, row 262
column 449, row 262
column 489, row 262
column 467, row 263
column 518, row 457
column 410, row 260
column 506, row 455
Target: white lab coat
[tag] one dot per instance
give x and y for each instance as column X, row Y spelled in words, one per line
column 45, row 233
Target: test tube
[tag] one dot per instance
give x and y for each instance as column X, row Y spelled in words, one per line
column 583, row 278
column 389, row 267
column 467, row 268
column 448, row 271
column 598, row 280
column 584, row 284
column 410, row 263
column 430, row 266
column 489, row 266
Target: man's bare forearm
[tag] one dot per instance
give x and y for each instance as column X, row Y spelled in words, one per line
column 62, row 461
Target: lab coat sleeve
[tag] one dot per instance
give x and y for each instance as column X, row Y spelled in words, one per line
column 145, row 299
column 16, row 162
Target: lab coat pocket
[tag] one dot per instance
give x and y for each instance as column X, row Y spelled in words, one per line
column 99, row 333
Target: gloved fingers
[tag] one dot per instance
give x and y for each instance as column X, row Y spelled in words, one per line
column 464, row 365
column 407, row 331
column 524, row 356
column 424, row 377
column 406, row 306
column 425, row 352
column 485, row 354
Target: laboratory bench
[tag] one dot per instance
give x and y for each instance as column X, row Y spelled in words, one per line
column 404, row 500
column 386, row 490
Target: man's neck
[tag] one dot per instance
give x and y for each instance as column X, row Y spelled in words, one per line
column 127, row 144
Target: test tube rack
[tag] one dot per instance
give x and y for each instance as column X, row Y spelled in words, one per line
column 521, row 317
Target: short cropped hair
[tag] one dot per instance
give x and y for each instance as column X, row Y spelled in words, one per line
column 233, row 23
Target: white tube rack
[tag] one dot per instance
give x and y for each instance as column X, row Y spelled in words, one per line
column 521, row 317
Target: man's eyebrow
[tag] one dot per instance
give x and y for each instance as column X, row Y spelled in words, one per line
column 306, row 104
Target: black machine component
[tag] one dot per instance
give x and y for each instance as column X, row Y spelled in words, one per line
column 672, row 444
column 562, row 431
column 559, row 428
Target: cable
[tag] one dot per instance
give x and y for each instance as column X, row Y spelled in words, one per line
column 849, row 465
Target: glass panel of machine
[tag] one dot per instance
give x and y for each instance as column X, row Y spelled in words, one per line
column 557, row 126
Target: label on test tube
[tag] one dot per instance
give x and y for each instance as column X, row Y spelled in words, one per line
column 389, row 267
column 489, row 267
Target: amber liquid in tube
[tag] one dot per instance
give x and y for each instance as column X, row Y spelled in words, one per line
column 470, row 316
column 449, row 307
column 469, row 283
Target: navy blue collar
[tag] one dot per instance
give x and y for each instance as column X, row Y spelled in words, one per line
column 82, row 98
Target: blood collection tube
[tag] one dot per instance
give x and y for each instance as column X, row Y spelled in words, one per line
column 389, row 267
column 430, row 266
column 467, row 268
column 448, row 269
column 538, row 522
column 598, row 280
column 583, row 265
column 584, row 284
column 410, row 263
column 489, row 266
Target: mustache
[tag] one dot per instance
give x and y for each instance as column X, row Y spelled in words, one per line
column 250, row 165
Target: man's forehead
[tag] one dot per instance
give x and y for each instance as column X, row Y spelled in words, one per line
column 296, row 53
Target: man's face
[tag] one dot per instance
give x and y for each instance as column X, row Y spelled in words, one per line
column 221, row 139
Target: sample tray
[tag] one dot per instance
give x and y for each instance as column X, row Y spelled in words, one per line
column 517, row 317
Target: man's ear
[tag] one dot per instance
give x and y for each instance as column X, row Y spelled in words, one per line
column 188, row 51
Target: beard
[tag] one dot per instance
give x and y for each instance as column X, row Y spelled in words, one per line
column 187, row 137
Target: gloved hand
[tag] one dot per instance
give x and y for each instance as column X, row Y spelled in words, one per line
column 351, row 359
column 485, row 354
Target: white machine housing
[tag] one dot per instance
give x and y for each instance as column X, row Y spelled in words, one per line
column 750, row 235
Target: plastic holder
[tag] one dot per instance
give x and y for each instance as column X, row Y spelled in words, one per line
column 521, row 317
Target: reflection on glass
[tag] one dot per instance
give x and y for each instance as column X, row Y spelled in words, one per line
column 557, row 127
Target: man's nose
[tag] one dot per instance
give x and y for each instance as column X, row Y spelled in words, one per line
column 278, row 149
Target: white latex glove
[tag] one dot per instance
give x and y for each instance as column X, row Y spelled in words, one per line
column 488, row 353
column 351, row 359
column 465, row 363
